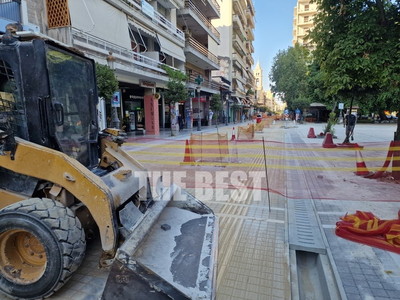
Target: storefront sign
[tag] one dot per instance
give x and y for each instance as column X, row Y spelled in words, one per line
column 147, row 84
column 202, row 99
column 116, row 100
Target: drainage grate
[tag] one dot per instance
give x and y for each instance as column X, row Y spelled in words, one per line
column 304, row 231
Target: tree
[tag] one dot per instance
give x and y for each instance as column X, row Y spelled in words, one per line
column 107, row 83
column 289, row 74
column 357, row 47
column 176, row 91
column 216, row 104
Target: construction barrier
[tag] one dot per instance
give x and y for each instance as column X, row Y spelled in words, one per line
column 388, row 160
column 328, row 141
column 211, row 147
column 361, row 167
column 311, row 134
column 366, row 228
column 246, row 133
column 259, row 127
column 188, row 158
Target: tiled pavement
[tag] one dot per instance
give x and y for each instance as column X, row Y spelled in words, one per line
column 254, row 260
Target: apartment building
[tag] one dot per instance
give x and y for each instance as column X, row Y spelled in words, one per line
column 201, row 51
column 236, row 26
column 136, row 38
column 304, row 13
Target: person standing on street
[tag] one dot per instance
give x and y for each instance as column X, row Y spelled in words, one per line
column 349, row 124
column 180, row 122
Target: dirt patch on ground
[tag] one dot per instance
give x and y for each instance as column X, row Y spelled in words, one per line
column 388, row 177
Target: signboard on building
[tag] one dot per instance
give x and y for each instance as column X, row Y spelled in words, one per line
column 147, row 84
column 116, row 100
column 147, row 9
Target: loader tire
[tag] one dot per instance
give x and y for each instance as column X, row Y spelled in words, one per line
column 42, row 243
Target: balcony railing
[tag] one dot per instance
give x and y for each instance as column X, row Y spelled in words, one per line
column 10, row 10
column 216, row 5
column 134, row 58
column 200, row 48
column 160, row 20
column 192, row 7
column 206, row 83
column 156, row 19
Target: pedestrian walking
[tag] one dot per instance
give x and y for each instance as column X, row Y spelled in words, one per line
column 180, row 122
column 349, row 124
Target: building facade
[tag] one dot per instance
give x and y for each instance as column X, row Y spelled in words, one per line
column 137, row 39
column 236, row 26
column 303, row 22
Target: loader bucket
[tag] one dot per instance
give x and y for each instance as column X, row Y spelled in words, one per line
column 169, row 254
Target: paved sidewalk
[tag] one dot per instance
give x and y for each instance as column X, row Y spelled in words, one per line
column 277, row 237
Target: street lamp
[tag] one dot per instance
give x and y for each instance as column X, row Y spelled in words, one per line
column 115, row 122
column 198, row 115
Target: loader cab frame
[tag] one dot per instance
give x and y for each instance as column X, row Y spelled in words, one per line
column 53, row 101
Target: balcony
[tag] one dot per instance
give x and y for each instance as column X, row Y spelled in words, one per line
column 199, row 55
column 9, row 13
column 250, row 18
column 126, row 59
column 249, row 59
column 238, row 25
column 239, row 6
column 249, row 34
column 191, row 17
column 207, row 85
column 238, row 61
column 152, row 19
column 172, row 4
column 211, row 10
column 249, row 46
column 238, row 43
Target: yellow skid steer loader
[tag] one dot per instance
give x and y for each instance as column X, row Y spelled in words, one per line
column 61, row 182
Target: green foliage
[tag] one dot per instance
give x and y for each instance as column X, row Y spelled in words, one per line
column 216, row 104
column 107, row 83
column 263, row 109
column 332, row 121
column 289, row 74
column 357, row 47
column 176, row 91
column 236, row 107
column 250, row 92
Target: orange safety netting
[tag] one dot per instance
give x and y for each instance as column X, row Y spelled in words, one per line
column 366, row 228
column 246, row 132
column 211, row 147
column 268, row 121
column 259, row 126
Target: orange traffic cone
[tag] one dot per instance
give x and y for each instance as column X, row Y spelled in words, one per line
column 311, row 134
column 188, row 155
column 328, row 142
column 361, row 167
column 233, row 134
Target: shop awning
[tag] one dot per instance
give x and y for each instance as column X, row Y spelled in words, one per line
column 240, row 85
column 136, row 27
column 98, row 18
column 171, row 48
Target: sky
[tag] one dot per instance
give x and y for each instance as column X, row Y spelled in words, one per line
column 273, row 32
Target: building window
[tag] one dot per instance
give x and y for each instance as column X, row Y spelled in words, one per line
column 306, row 18
column 57, row 13
column 306, row 7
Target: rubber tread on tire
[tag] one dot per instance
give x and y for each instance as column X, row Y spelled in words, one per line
column 62, row 236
